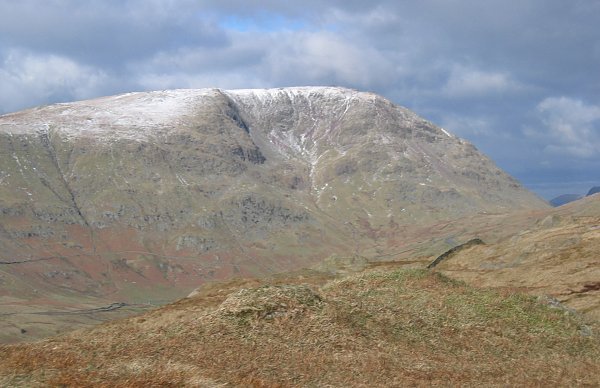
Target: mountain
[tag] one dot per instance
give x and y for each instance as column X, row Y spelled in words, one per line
column 567, row 198
column 564, row 199
column 116, row 204
column 593, row 190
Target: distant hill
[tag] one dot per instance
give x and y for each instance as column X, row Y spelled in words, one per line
column 594, row 190
column 564, row 199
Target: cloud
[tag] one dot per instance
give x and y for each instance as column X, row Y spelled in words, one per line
column 282, row 58
column 326, row 58
column 106, row 33
column 467, row 82
column 29, row 79
column 571, row 127
column 162, row 81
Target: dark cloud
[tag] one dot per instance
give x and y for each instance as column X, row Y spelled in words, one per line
column 519, row 79
column 105, row 33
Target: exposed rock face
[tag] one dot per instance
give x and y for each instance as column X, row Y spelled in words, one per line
column 176, row 187
column 451, row 252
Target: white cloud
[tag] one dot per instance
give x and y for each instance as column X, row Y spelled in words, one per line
column 467, row 82
column 282, row 58
column 326, row 57
column 571, row 127
column 29, row 79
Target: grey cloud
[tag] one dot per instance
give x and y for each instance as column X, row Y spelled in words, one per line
column 104, row 33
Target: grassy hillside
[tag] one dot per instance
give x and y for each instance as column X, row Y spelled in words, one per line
column 556, row 256
column 380, row 327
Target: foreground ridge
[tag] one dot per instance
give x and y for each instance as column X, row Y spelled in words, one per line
column 380, row 327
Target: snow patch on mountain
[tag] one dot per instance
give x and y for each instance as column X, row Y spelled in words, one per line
column 132, row 116
column 265, row 96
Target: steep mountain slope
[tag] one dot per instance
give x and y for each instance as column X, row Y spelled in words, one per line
column 140, row 197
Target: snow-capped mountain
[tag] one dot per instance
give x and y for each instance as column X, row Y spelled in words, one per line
column 145, row 190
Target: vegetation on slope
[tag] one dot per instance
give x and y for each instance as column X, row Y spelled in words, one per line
column 381, row 327
column 558, row 257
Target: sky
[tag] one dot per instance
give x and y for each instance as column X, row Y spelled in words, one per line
column 519, row 79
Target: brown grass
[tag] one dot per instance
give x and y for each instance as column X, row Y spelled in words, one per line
column 377, row 328
column 558, row 258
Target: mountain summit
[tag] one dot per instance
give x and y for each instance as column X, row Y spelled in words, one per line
column 111, row 196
